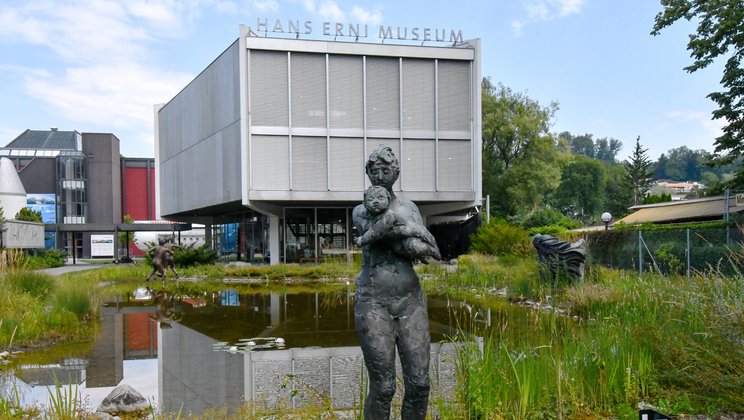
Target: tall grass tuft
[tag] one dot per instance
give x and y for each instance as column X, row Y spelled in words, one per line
column 37, row 285
column 74, row 300
column 64, row 401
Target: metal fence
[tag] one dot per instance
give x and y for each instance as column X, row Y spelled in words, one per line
column 683, row 251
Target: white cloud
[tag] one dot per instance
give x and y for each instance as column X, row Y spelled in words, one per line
column 119, row 95
column 226, row 7
column 330, row 9
column 266, row 5
column 568, row 7
column 517, row 27
column 309, row 5
column 366, row 16
column 546, row 10
column 711, row 127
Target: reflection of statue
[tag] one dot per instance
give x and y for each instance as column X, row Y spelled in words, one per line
column 162, row 259
column 389, row 309
column 559, row 257
column 165, row 311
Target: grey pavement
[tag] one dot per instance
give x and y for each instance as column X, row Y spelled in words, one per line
column 69, row 267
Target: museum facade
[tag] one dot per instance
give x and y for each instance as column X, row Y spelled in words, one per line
column 275, row 133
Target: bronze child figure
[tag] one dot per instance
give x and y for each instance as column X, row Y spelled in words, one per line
column 377, row 202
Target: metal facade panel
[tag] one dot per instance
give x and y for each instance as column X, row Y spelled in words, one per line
column 418, row 94
column 184, row 186
column 419, row 157
column 454, row 95
column 309, row 164
column 383, row 93
column 346, row 91
column 270, row 162
column 347, row 164
column 455, row 168
column 269, row 88
column 205, row 106
column 308, row 90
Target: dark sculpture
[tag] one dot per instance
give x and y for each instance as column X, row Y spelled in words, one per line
column 162, row 259
column 389, row 304
column 559, row 258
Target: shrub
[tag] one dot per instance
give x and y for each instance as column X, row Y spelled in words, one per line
column 546, row 216
column 28, row 215
column 49, row 258
column 500, row 238
column 189, row 255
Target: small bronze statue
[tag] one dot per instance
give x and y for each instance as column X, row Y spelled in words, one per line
column 389, row 306
column 559, row 258
column 163, row 259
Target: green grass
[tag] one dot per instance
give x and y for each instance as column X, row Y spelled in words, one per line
column 667, row 341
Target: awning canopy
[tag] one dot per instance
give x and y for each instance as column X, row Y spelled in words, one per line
column 702, row 209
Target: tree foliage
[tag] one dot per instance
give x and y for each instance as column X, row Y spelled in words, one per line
column 685, row 164
column 28, row 215
column 520, row 161
column 581, row 181
column 638, row 173
column 617, row 194
column 719, row 34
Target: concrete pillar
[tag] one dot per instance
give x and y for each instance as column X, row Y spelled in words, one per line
column 274, row 239
column 208, row 235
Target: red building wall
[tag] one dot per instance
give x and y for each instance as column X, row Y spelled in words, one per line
column 138, row 196
column 136, row 193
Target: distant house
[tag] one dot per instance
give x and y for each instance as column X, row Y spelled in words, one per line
column 694, row 210
column 678, row 190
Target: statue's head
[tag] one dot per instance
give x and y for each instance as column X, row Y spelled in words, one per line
column 382, row 167
column 376, row 199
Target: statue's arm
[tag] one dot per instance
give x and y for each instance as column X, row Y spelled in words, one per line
column 379, row 229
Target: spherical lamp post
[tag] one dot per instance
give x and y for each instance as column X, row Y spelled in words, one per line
column 606, row 218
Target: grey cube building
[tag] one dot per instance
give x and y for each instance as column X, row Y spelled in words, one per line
column 275, row 132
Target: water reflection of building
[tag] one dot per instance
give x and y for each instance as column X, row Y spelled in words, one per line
column 324, row 360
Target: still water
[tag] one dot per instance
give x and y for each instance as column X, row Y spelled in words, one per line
column 218, row 349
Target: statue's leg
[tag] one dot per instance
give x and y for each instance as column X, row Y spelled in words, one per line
column 376, row 334
column 414, row 348
column 173, row 268
column 151, row 274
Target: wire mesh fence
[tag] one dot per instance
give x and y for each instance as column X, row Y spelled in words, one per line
column 683, row 251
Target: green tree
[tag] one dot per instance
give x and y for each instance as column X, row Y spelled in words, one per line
column 520, row 160
column 581, row 181
column 583, row 145
column 607, row 149
column 719, row 34
column 685, row 164
column 618, row 196
column 28, row 215
column 659, row 167
column 638, row 173
column 710, row 180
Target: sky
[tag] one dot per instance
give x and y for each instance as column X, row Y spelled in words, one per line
column 102, row 65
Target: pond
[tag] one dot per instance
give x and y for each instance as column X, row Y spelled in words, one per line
column 193, row 352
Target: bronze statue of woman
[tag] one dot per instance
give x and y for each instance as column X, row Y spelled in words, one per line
column 389, row 307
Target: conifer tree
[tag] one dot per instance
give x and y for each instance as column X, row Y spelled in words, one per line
column 638, row 176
